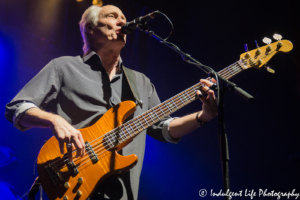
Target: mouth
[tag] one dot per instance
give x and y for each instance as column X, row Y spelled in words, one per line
column 119, row 32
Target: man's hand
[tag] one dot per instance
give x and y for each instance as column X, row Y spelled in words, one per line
column 65, row 133
column 209, row 107
column 184, row 125
column 62, row 130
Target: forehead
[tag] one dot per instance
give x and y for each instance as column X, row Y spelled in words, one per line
column 110, row 9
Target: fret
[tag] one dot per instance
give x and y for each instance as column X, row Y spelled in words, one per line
column 127, row 130
column 194, row 90
column 140, row 122
column 145, row 120
column 109, row 136
column 168, row 108
column 188, row 95
column 235, row 68
column 123, row 134
column 239, row 64
column 153, row 116
column 185, row 99
column 110, row 143
column 131, row 129
column 136, row 126
column 150, row 117
column 156, row 114
column 229, row 70
column 161, row 111
column 181, row 100
column 174, row 103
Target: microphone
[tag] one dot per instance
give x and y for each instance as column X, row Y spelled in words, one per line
column 128, row 27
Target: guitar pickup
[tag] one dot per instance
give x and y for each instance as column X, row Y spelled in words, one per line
column 93, row 156
column 54, row 174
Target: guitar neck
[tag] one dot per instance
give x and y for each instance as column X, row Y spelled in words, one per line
column 133, row 127
column 231, row 70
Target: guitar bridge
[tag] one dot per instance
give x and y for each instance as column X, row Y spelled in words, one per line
column 54, row 173
column 93, row 156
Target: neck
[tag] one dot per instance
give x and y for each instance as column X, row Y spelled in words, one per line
column 109, row 57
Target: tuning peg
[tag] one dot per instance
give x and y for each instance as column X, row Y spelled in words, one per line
column 272, row 71
column 277, row 36
column 256, row 44
column 246, row 47
column 267, row 40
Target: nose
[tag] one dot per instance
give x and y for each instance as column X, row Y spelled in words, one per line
column 121, row 21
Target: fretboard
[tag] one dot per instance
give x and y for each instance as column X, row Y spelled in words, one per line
column 133, row 127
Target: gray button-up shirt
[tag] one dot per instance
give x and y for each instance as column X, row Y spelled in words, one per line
column 79, row 90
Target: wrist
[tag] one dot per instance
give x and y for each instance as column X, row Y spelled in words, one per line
column 52, row 120
column 200, row 121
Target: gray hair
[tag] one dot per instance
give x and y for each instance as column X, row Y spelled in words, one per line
column 90, row 16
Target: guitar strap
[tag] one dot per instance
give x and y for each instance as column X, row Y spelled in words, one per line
column 132, row 84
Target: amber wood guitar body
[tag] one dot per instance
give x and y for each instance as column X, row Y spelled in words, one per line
column 109, row 162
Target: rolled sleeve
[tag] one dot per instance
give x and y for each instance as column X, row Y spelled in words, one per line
column 19, row 112
column 166, row 133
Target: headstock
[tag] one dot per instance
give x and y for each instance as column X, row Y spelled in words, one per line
column 260, row 56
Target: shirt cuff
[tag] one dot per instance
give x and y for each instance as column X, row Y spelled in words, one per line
column 166, row 133
column 19, row 112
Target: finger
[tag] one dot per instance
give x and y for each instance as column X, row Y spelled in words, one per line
column 201, row 97
column 211, row 94
column 199, row 94
column 206, row 82
column 83, row 144
column 205, row 89
column 69, row 151
column 78, row 145
column 61, row 147
column 213, row 80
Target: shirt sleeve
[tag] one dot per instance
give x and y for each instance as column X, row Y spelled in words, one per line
column 159, row 130
column 19, row 112
column 40, row 91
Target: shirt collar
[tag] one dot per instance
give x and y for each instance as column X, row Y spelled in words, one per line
column 92, row 53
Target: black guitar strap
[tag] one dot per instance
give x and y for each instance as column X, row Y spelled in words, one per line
column 132, row 84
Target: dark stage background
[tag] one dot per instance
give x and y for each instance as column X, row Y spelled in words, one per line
column 263, row 136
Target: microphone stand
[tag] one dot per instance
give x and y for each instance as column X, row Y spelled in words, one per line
column 221, row 124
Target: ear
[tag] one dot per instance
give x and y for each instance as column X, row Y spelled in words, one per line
column 89, row 27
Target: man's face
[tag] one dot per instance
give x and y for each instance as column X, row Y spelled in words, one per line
column 108, row 29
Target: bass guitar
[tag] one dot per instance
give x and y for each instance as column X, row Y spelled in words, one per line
column 78, row 179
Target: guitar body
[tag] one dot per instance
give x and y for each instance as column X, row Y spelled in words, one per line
column 92, row 174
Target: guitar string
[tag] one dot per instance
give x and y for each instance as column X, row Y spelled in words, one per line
column 155, row 109
column 114, row 147
column 148, row 119
column 137, row 117
column 262, row 56
column 229, row 74
column 97, row 150
column 134, row 127
column 130, row 135
column 165, row 109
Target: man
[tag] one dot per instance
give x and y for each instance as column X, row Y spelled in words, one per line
column 77, row 91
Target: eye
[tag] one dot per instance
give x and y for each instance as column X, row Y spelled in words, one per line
column 111, row 15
